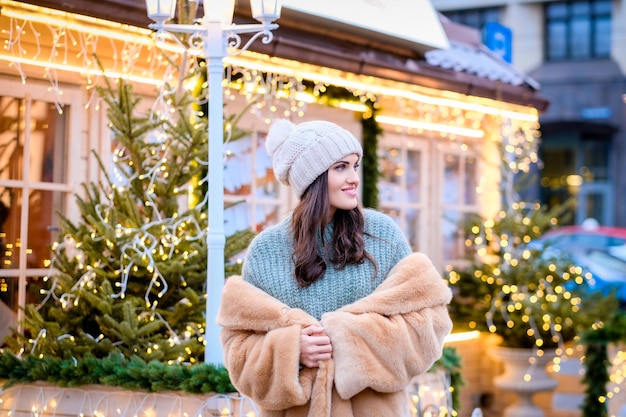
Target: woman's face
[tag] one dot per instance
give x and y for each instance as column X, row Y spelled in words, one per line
column 343, row 180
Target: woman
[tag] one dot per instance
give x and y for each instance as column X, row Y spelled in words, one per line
column 333, row 315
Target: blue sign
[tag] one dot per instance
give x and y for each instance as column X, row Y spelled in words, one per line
column 499, row 39
column 596, row 113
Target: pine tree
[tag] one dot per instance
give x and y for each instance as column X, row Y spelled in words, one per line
column 129, row 275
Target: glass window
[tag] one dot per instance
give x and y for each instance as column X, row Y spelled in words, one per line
column 557, row 33
column 595, row 159
column 452, row 180
column 458, row 197
column 581, row 37
column 578, row 30
column 577, row 167
column 602, row 40
column 475, row 18
column 401, row 187
column 251, row 191
column 453, row 236
column 471, row 180
column 33, row 189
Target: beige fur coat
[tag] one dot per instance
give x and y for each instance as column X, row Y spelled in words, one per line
column 380, row 343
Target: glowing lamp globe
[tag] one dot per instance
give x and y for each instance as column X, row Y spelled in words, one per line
column 265, row 11
column 161, row 10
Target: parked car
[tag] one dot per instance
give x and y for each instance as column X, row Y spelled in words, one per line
column 599, row 250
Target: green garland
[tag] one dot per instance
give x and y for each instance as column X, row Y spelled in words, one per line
column 597, row 362
column 371, row 173
column 154, row 376
column 115, row 371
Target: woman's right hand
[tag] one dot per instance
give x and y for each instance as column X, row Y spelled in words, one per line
column 314, row 346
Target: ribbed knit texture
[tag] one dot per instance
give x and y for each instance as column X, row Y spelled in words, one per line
column 268, row 266
column 301, row 153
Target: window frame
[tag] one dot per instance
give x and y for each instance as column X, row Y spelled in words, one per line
column 569, row 21
column 76, row 166
column 484, row 15
column 406, row 143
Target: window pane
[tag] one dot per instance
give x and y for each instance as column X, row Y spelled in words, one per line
column 475, row 18
column 48, row 159
column 42, row 225
column 601, row 7
column 580, row 8
column 452, row 236
column 594, row 206
column 47, row 150
column 491, row 15
column 580, row 46
column 452, row 180
column 412, row 219
column 470, row 180
column 10, row 226
column 12, row 138
column 557, row 37
column 245, row 159
column 602, row 39
column 250, row 188
column 9, row 301
column 596, row 160
column 266, row 183
column 237, row 180
column 392, row 170
column 556, row 10
column 413, row 176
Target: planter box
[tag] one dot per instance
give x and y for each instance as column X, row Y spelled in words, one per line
column 428, row 392
column 43, row 400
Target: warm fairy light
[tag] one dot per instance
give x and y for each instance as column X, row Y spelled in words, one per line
column 263, row 75
column 438, row 127
column 380, row 87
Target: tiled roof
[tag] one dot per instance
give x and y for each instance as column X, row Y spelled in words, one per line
column 466, row 58
column 468, row 54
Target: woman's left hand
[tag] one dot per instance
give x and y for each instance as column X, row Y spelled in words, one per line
column 315, row 346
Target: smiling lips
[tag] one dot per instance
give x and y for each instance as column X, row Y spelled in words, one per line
column 350, row 191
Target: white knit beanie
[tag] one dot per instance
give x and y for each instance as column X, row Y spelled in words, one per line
column 301, row 153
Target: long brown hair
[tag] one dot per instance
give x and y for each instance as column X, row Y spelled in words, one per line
column 347, row 245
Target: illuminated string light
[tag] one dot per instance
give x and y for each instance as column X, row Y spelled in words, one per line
column 53, row 401
column 274, row 84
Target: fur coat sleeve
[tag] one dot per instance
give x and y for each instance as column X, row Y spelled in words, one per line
column 382, row 341
column 379, row 342
column 261, row 340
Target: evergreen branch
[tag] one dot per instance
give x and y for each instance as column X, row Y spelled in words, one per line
column 115, row 370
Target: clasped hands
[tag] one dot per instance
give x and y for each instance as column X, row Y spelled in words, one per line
column 314, row 346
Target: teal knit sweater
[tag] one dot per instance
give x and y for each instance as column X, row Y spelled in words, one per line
column 268, row 266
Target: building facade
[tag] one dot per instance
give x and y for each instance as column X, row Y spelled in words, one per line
column 575, row 50
column 439, row 121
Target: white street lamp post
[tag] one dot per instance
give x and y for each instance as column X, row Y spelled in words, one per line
column 214, row 34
